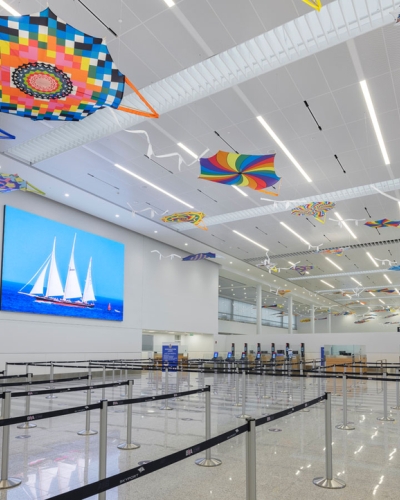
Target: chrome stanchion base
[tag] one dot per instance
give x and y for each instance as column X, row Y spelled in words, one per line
column 305, row 410
column 51, row 396
column 244, row 416
column 385, row 419
column 11, row 482
column 166, row 408
column 208, row 462
column 266, row 397
column 26, row 425
column 87, row 433
column 330, row 484
column 345, row 427
column 126, row 446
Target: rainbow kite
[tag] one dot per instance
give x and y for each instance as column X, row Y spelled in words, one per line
column 382, row 223
column 13, row 182
column 335, row 251
column 52, row 71
column 316, row 209
column 301, row 269
column 195, row 218
column 255, row 172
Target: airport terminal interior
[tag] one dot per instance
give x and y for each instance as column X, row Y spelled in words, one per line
column 200, row 228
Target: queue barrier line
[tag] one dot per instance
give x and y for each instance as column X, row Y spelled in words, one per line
column 121, row 478
column 39, row 382
column 148, row 399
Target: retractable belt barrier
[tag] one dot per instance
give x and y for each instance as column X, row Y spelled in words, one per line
column 39, row 382
column 155, row 465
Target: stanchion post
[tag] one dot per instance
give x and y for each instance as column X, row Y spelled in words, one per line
column 5, row 481
column 328, row 481
column 397, row 407
column 243, row 414
column 251, row 461
column 345, row 426
column 88, row 431
column 166, row 386
column 208, row 461
column 103, row 391
column 334, row 381
column 27, row 425
column 103, row 445
column 319, row 381
column 385, row 417
column 129, row 445
column 304, row 410
column 265, row 396
column 237, row 387
column 51, row 396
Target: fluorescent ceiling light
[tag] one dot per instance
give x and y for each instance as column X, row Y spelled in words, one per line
column 387, row 278
column 326, row 283
column 283, row 147
column 294, row 232
column 333, row 263
column 251, row 241
column 372, row 294
column 170, row 3
column 380, row 300
column 358, row 283
column 373, row 260
column 291, row 263
column 9, row 8
column 152, row 185
column 345, row 225
column 240, row 191
column 397, row 290
column 185, row 148
column 374, row 119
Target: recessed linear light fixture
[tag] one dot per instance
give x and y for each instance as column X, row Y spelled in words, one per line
column 374, row 119
column 284, row 148
column 251, row 241
column 326, row 283
column 240, row 191
column 189, row 151
column 387, row 278
column 345, row 225
column 152, row 185
column 9, row 8
column 373, row 260
column 294, row 232
column 372, row 294
column 358, row 283
column 380, row 300
column 170, row 3
column 333, row 263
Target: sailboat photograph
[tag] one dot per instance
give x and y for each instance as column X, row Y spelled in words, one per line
column 52, row 291
column 54, row 269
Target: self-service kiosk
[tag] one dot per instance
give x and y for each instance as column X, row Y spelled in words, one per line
column 258, row 355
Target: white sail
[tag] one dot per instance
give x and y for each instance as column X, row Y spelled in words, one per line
column 88, row 293
column 54, row 286
column 72, row 287
column 39, row 283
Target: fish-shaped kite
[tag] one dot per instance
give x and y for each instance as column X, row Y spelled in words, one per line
column 382, row 223
column 199, row 256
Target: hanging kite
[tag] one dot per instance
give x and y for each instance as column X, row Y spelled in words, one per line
column 171, row 256
column 317, row 250
column 390, row 316
column 195, row 218
column 302, row 270
column 200, row 256
column 52, row 71
column 255, row 172
column 315, row 4
column 6, row 135
column 335, row 251
column 316, row 209
column 394, row 268
column 13, row 182
column 389, row 262
column 381, row 290
column 383, row 223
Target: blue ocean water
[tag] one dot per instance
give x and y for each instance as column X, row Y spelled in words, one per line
column 13, row 301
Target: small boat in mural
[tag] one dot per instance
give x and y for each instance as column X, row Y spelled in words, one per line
column 47, row 286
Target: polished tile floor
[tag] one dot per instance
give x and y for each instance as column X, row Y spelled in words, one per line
column 52, row 458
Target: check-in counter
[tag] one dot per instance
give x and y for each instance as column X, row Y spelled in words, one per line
column 338, row 361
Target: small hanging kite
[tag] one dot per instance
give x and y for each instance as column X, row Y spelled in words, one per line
column 383, row 223
column 315, row 4
column 195, row 218
column 13, row 182
column 199, row 256
column 302, row 270
column 335, row 251
column 52, row 71
column 255, row 172
column 316, row 209
column 394, row 268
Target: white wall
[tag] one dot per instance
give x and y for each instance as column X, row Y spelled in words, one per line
column 167, row 295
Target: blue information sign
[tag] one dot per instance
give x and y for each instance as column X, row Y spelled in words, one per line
column 170, row 356
column 322, row 356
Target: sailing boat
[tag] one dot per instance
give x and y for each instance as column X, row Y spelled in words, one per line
column 55, row 293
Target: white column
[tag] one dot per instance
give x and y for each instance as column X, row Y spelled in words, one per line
column 290, row 315
column 313, row 319
column 259, row 309
column 330, row 321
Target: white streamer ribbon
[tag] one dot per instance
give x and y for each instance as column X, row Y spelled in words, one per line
column 171, row 256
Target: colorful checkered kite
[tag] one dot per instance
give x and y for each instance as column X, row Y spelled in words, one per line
column 52, row 71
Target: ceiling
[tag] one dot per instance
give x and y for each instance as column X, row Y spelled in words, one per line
column 155, row 42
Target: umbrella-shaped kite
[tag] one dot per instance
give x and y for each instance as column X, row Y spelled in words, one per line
column 316, row 209
column 255, row 172
column 13, row 182
column 383, row 223
column 195, row 218
column 52, row 71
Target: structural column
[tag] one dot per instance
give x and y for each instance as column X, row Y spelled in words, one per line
column 259, row 309
column 290, row 315
column 313, row 319
column 330, row 321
